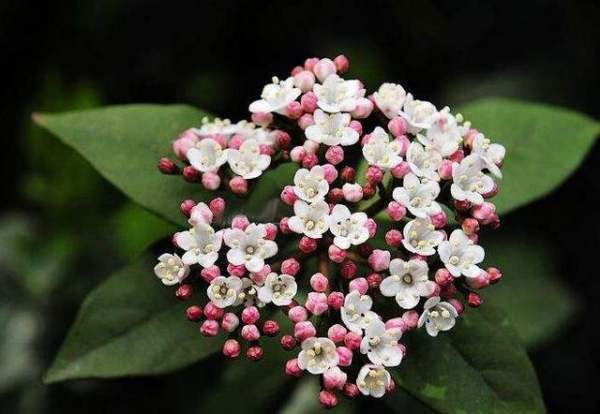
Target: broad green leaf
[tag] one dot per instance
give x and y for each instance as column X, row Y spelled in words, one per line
column 477, row 367
column 130, row 325
column 530, row 285
column 544, row 145
column 124, row 143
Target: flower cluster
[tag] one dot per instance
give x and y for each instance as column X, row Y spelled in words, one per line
column 370, row 251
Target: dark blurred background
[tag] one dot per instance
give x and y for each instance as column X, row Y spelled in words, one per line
column 60, row 222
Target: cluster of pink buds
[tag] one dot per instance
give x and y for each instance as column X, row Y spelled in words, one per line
column 367, row 203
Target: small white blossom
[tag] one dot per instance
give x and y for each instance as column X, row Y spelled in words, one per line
column 279, row 289
column 418, row 114
column 317, row 355
column 379, row 151
column 217, row 126
column 248, row 294
column 332, row 129
column 247, row 162
column 418, row 196
column 437, row 316
column 311, row 185
column 276, row 96
column 373, row 380
column 491, row 154
column 460, row 255
column 381, row 344
column 171, row 269
column 310, row 219
column 206, row 155
column 249, row 247
column 201, row 243
column 407, row 282
column 356, row 312
column 223, row 291
column 421, row 237
column 469, row 182
column 337, row 94
column 423, row 162
column 444, row 135
column 389, row 98
column 349, row 229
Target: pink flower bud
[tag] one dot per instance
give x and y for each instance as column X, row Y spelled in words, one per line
column 393, row 238
column 230, row 322
column 462, row 205
column 411, row 319
column 260, row 276
column 396, row 323
column 297, row 69
column 445, row 170
column 297, row 154
column 270, row 328
column 311, row 147
column 351, row 390
column 231, row 348
column 293, row 110
column 238, row 185
column 357, row 126
column 404, row 143
column 495, row 274
column 360, row 285
column 400, row 170
column 396, row 211
column 316, row 303
column 364, row 108
column 349, row 269
column 336, row 254
column 484, row 213
column 200, row 213
column 288, row 342
column 271, row 231
column 391, row 386
column 304, row 330
column 221, row 140
column 184, row 142
column 474, row 300
column 457, row 156
column 310, row 63
column 319, row 282
column 305, row 121
column 217, row 207
column 166, row 166
column 240, row 222
column 379, row 260
column 193, row 313
column 190, row 174
column 211, row 181
column 209, row 328
column 250, row 333
column 352, row 341
column 250, row 315
column 213, row 312
column 492, row 192
column 443, row 277
column 290, row 266
column 308, row 102
column 267, row 149
column 374, row 280
column 470, row 226
column 337, row 333
column 469, row 137
column 352, row 192
column 323, row 68
column 307, row 245
column 331, row 173
column 439, row 220
column 263, row 119
column 480, row 281
column 236, row 270
column 348, row 174
column 335, row 300
column 284, row 228
column 328, row 399
column 334, row 378
column 335, row 155
column 374, row 175
column 335, row 195
column 292, row 369
column 288, row 196
column 304, row 80
column 186, row 207
column 184, row 292
column 457, row 304
column 371, row 226
column 310, row 160
column 342, row 64
column 254, row 353
column 397, row 126
column 298, row 314
column 369, row 190
column 236, row 141
column 365, row 139
column 283, row 139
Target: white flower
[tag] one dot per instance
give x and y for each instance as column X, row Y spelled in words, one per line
column 171, row 269
column 469, row 182
column 421, row 237
column 317, row 355
column 389, row 99
column 279, row 289
column 491, row 154
column 423, row 162
column 407, row 282
column 337, row 94
column 418, row 114
column 444, row 135
column 311, row 185
column 223, row 291
column 356, row 312
column 201, row 243
column 217, row 126
column 248, row 294
column 310, row 219
column 349, row 229
column 247, row 162
column 249, row 247
column 418, row 196
column 460, row 255
column 373, row 380
column 379, row 151
column 381, row 345
column 332, row 129
column 276, row 96
column 437, row 316
column 206, row 155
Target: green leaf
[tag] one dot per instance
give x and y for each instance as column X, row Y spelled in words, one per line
column 130, row 325
column 124, row 143
column 530, row 285
column 544, row 145
column 478, row 367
